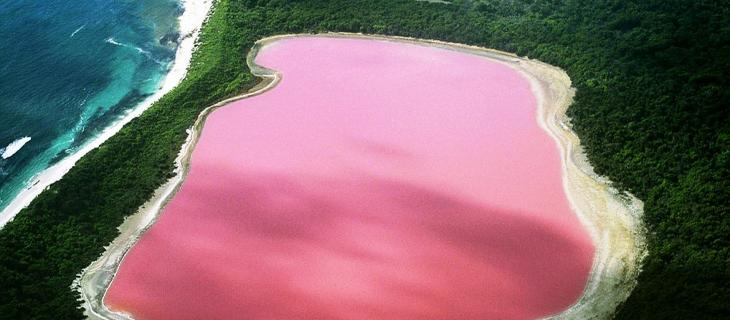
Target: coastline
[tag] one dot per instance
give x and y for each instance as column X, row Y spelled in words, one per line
column 195, row 12
column 612, row 219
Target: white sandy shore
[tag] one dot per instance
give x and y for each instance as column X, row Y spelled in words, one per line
column 189, row 24
column 613, row 220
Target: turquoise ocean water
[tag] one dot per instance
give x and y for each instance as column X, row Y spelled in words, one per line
column 70, row 68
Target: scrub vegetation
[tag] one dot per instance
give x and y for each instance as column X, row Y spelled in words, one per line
column 651, row 109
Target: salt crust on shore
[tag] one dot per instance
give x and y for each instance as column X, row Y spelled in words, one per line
column 612, row 219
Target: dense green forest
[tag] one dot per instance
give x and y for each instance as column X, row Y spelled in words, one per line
column 651, row 109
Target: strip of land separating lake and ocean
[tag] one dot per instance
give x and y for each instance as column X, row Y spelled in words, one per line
column 392, row 202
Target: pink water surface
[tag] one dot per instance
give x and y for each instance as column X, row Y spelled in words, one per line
column 378, row 180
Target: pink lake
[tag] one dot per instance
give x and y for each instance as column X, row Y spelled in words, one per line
column 377, row 180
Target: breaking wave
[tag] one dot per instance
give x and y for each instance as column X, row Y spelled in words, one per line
column 14, row 147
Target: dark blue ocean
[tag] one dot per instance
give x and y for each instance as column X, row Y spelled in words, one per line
column 70, row 68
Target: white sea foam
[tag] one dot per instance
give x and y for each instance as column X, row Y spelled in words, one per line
column 112, row 41
column 190, row 22
column 138, row 49
column 76, row 31
column 117, row 43
column 14, row 147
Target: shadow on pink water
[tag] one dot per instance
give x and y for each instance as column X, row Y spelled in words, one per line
column 378, row 180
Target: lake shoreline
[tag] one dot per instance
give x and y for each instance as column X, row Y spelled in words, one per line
column 612, row 220
column 93, row 282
